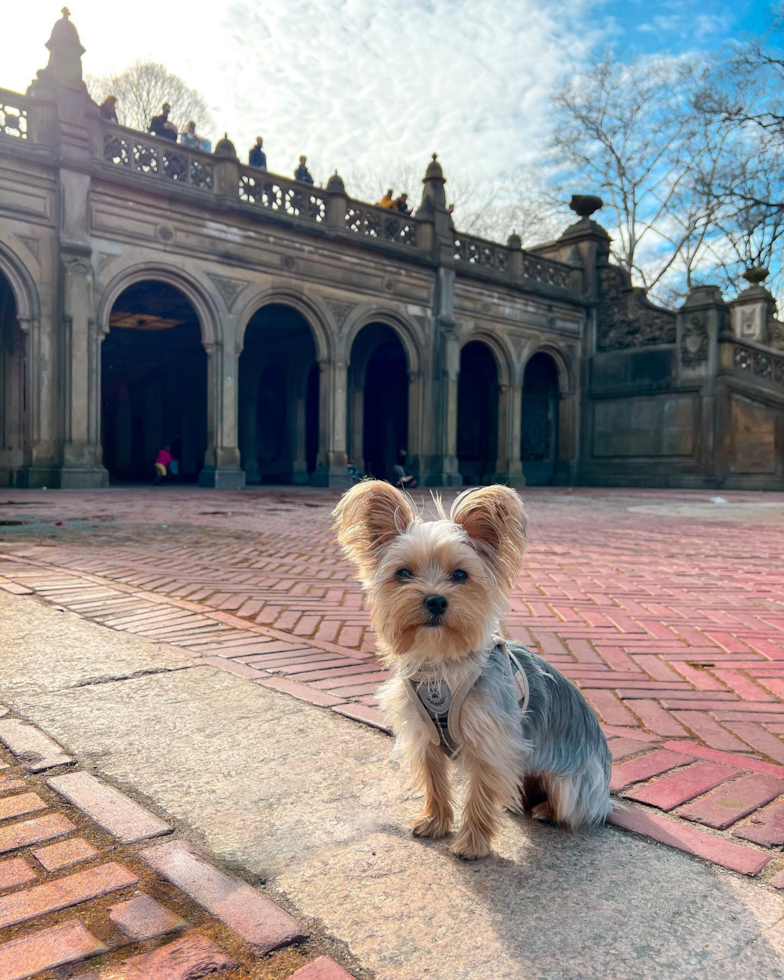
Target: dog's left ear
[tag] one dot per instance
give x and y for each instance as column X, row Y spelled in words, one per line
column 494, row 520
column 368, row 518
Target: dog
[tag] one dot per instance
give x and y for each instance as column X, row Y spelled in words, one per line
column 524, row 736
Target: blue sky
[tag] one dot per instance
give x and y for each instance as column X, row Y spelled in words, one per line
column 376, row 85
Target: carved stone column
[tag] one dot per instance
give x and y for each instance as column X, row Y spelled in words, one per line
column 299, row 461
column 222, row 456
column 450, row 378
column 331, row 466
column 510, row 409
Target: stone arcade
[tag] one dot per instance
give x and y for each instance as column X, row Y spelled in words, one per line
column 271, row 331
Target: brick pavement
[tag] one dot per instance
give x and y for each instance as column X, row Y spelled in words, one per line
column 666, row 611
column 92, row 880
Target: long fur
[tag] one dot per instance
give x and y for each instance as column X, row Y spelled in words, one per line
column 554, row 758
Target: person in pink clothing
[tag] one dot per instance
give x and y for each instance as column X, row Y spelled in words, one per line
column 162, row 463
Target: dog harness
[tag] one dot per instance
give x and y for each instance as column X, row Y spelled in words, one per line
column 440, row 707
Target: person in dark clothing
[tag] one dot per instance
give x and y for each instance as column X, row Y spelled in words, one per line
column 302, row 173
column 257, row 157
column 161, row 127
column 108, row 108
column 402, row 205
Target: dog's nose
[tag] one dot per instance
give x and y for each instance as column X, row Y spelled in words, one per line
column 436, row 604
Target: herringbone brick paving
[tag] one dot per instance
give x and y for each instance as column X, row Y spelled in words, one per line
column 666, row 609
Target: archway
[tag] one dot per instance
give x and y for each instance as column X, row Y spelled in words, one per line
column 153, row 383
column 278, row 397
column 378, row 381
column 477, row 414
column 539, row 425
column 13, row 389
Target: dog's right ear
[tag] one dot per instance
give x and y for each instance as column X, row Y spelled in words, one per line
column 370, row 516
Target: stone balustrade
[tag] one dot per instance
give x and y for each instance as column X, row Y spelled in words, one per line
column 753, row 360
column 14, row 115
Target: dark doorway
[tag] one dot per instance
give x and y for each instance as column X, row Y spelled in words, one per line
column 153, row 384
column 13, row 391
column 477, row 414
column 539, row 428
column 379, row 368
column 279, row 398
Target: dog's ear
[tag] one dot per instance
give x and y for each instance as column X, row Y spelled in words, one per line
column 368, row 518
column 494, row 520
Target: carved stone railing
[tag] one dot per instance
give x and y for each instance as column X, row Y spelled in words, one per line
column 482, row 255
column 279, row 195
column 382, row 224
column 753, row 360
column 14, row 115
column 158, row 159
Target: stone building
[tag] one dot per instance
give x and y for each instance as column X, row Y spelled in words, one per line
column 270, row 330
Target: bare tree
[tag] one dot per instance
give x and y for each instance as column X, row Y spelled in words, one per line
column 142, row 89
column 626, row 131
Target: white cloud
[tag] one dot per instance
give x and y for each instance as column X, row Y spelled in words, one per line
column 353, row 83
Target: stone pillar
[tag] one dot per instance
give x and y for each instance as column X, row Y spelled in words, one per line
column 754, row 310
column 357, row 447
column 298, row 446
column 701, row 319
column 331, row 465
column 222, row 457
column 510, row 468
column 450, row 475
column 414, row 440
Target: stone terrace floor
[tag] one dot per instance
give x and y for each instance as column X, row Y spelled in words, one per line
column 665, row 607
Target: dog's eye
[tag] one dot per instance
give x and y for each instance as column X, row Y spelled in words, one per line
column 403, row 575
column 458, row 575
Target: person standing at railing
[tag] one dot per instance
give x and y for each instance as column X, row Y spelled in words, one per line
column 257, row 157
column 108, row 108
column 302, row 173
column 188, row 137
column 387, row 201
column 402, row 205
column 161, row 127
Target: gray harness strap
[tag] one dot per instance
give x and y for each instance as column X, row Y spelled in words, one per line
column 440, row 708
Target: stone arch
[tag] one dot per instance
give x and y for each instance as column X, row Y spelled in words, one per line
column 499, row 350
column 28, row 306
column 315, row 317
column 401, row 325
column 483, row 377
column 563, row 364
column 201, row 300
column 545, row 415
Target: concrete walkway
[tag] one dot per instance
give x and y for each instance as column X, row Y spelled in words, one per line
column 311, row 803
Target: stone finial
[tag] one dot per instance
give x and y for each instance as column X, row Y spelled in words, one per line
column 225, row 148
column 584, row 205
column 433, row 194
column 514, row 241
column 335, row 184
column 755, row 275
column 65, row 57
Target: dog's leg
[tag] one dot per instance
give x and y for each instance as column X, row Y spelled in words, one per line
column 431, row 769
column 488, row 786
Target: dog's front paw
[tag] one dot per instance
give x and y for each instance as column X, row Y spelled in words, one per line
column 470, row 847
column 432, row 825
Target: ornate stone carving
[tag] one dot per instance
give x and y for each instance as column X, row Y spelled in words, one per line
column 625, row 318
column 389, row 285
column 340, row 310
column 288, row 262
column 32, row 245
column 105, row 259
column 165, row 233
column 519, row 345
column 228, row 288
column 694, row 342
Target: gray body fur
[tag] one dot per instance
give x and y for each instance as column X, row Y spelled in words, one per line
column 561, row 743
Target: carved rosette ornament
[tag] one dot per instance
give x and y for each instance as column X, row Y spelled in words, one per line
column 625, row 317
column 694, row 342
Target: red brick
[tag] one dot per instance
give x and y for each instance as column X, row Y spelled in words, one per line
column 743, row 761
column 728, row 804
column 709, row 731
column 185, row 959
column 777, row 880
column 15, row 872
column 679, row 787
column 20, row 805
column 10, row 784
column 657, row 719
column 368, row 716
column 143, row 918
column 246, row 911
column 766, row 827
column 114, row 811
column 34, row 831
column 233, row 667
column 302, row 691
column 65, row 854
column 70, row 942
column 756, row 736
column 324, row 968
column 644, row 767
column 674, row 833
column 610, row 709
column 620, row 748
column 63, row 893
column 34, row 750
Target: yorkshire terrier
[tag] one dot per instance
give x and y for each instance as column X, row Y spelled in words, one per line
column 523, row 734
